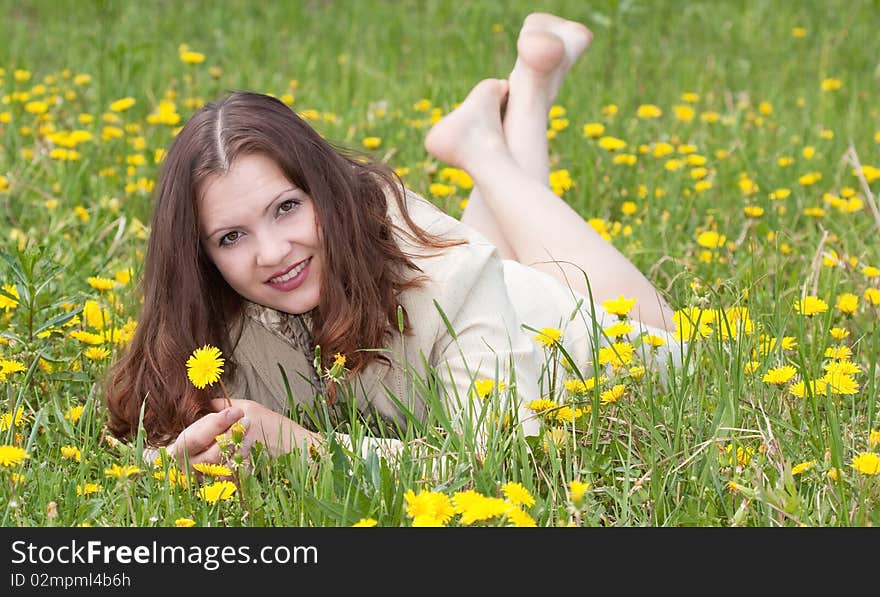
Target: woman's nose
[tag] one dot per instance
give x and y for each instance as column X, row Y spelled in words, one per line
column 271, row 251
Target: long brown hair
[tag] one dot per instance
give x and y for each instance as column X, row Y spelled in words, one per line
column 187, row 303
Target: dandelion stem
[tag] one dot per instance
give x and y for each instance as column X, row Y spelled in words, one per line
column 225, row 393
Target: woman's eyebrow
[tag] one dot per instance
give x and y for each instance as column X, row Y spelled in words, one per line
column 265, row 209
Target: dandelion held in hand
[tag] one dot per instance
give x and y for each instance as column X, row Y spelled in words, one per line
column 204, row 367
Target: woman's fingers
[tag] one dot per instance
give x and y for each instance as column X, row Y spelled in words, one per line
column 210, row 456
column 199, row 436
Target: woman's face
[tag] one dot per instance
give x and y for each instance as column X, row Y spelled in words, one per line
column 262, row 233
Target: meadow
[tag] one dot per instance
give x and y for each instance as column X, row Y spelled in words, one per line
column 730, row 149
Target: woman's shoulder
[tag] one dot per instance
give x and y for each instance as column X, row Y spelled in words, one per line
column 429, row 218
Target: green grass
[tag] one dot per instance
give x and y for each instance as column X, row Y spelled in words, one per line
column 664, row 454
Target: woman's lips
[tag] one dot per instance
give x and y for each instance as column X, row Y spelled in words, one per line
column 295, row 281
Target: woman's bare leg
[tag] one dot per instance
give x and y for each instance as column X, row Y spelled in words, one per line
column 539, row 226
column 547, row 47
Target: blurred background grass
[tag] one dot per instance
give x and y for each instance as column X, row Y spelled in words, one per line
column 642, row 51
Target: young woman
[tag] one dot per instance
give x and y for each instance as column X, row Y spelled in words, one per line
column 267, row 241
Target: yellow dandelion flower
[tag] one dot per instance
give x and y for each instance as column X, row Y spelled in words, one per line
column 36, row 107
column 427, row 521
column 560, row 181
column 87, row 488
column 99, row 283
column 566, row 414
column 71, row 453
column 654, row 340
column 366, row 522
column 517, row 494
column 618, row 329
column 593, row 130
column 519, row 518
column 184, row 522
column 429, row 506
column 874, row 438
column 637, row 372
column 841, row 383
column 576, row 386
column 803, row 467
column 838, row 352
column 204, row 366
column 548, row 336
column 810, row 178
column 847, row 303
column 438, row 189
column 9, row 298
column 779, row 375
column 742, row 457
column 219, row 490
column 174, row 478
column 684, row 113
column 74, row 413
column 711, row 239
column 648, row 111
column 9, row 419
column 484, row 386
column 620, row 306
column 96, row 353
column 839, row 333
column 12, row 456
column 842, row 367
column 474, row 507
column 810, row 305
column 611, row 143
column 802, row 389
column 617, row 354
column 121, row 105
column 541, row 405
column 867, row 463
column 613, row 395
column 371, row 142
column 212, row 470
column 95, row 316
column 190, row 57
column 559, row 124
column 691, row 323
column 10, row 366
column 121, row 472
column 872, row 295
column 831, row 84
column 751, row 367
column 576, row 491
column 662, row 149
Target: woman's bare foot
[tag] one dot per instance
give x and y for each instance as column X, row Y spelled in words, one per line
column 547, row 48
column 472, row 132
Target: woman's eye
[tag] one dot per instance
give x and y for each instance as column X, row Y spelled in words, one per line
column 229, row 238
column 287, row 206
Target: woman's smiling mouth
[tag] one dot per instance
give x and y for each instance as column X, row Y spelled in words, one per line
column 292, row 277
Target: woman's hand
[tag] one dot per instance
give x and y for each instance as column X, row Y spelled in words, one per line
column 279, row 434
column 197, row 442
